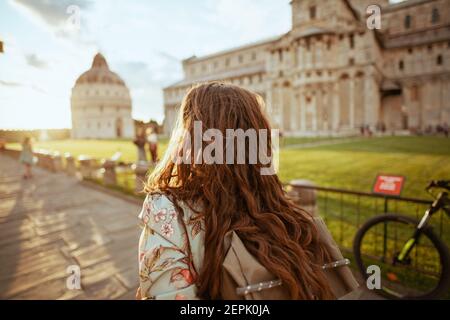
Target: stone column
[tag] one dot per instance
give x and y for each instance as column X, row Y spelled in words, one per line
column 48, row 162
column 296, row 112
column 280, row 107
column 304, row 197
column 269, row 103
column 86, row 167
column 140, row 169
column 336, row 109
column 352, row 103
column 40, row 156
column 109, row 173
column 314, row 106
column 293, row 111
column 55, row 162
column 302, row 111
column 71, row 168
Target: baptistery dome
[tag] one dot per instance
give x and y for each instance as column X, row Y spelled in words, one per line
column 101, row 104
column 100, row 73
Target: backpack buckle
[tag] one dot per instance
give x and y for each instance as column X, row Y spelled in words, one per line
column 336, row 264
column 242, row 291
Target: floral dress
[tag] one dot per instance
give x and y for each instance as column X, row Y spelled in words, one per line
column 171, row 249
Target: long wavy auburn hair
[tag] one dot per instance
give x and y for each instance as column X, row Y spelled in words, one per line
column 237, row 197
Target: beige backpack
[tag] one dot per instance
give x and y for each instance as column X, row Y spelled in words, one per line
column 244, row 278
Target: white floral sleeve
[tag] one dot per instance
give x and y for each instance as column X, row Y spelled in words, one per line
column 165, row 270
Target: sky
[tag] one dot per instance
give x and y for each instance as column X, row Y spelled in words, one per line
column 49, row 43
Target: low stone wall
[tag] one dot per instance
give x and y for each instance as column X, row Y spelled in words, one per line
column 86, row 168
column 304, row 197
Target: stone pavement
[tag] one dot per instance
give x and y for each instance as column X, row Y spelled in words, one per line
column 53, row 221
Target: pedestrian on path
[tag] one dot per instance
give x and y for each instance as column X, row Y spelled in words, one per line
column 152, row 139
column 140, row 142
column 26, row 157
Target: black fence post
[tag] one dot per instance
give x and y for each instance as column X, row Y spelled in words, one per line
column 385, row 230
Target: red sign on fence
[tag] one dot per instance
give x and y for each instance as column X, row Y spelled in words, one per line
column 388, row 185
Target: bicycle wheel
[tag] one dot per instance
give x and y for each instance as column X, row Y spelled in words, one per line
column 423, row 275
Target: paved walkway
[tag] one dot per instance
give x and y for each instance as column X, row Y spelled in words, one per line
column 51, row 222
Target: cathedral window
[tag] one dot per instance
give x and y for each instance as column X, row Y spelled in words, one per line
column 414, row 93
column 352, row 41
column 254, row 56
column 227, row 62
column 401, row 65
column 408, row 20
column 435, row 17
column 240, row 59
column 439, row 60
column 312, row 12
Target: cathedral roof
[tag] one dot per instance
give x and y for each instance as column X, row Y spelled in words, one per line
column 99, row 73
column 250, row 70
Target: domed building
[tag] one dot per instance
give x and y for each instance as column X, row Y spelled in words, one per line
column 101, row 104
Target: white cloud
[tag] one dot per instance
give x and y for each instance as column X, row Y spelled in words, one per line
column 35, row 61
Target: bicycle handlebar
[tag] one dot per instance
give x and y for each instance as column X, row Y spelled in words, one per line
column 445, row 184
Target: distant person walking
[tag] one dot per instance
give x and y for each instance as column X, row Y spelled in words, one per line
column 26, row 157
column 140, row 142
column 152, row 139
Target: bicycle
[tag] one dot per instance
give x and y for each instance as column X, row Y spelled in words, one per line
column 414, row 262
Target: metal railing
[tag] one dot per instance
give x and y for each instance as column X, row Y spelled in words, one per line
column 351, row 208
column 344, row 211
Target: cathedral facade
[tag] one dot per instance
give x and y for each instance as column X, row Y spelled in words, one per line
column 332, row 75
column 101, row 104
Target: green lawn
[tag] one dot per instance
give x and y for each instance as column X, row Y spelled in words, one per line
column 354, row 165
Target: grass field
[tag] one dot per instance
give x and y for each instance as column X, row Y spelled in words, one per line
column 354, row 165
